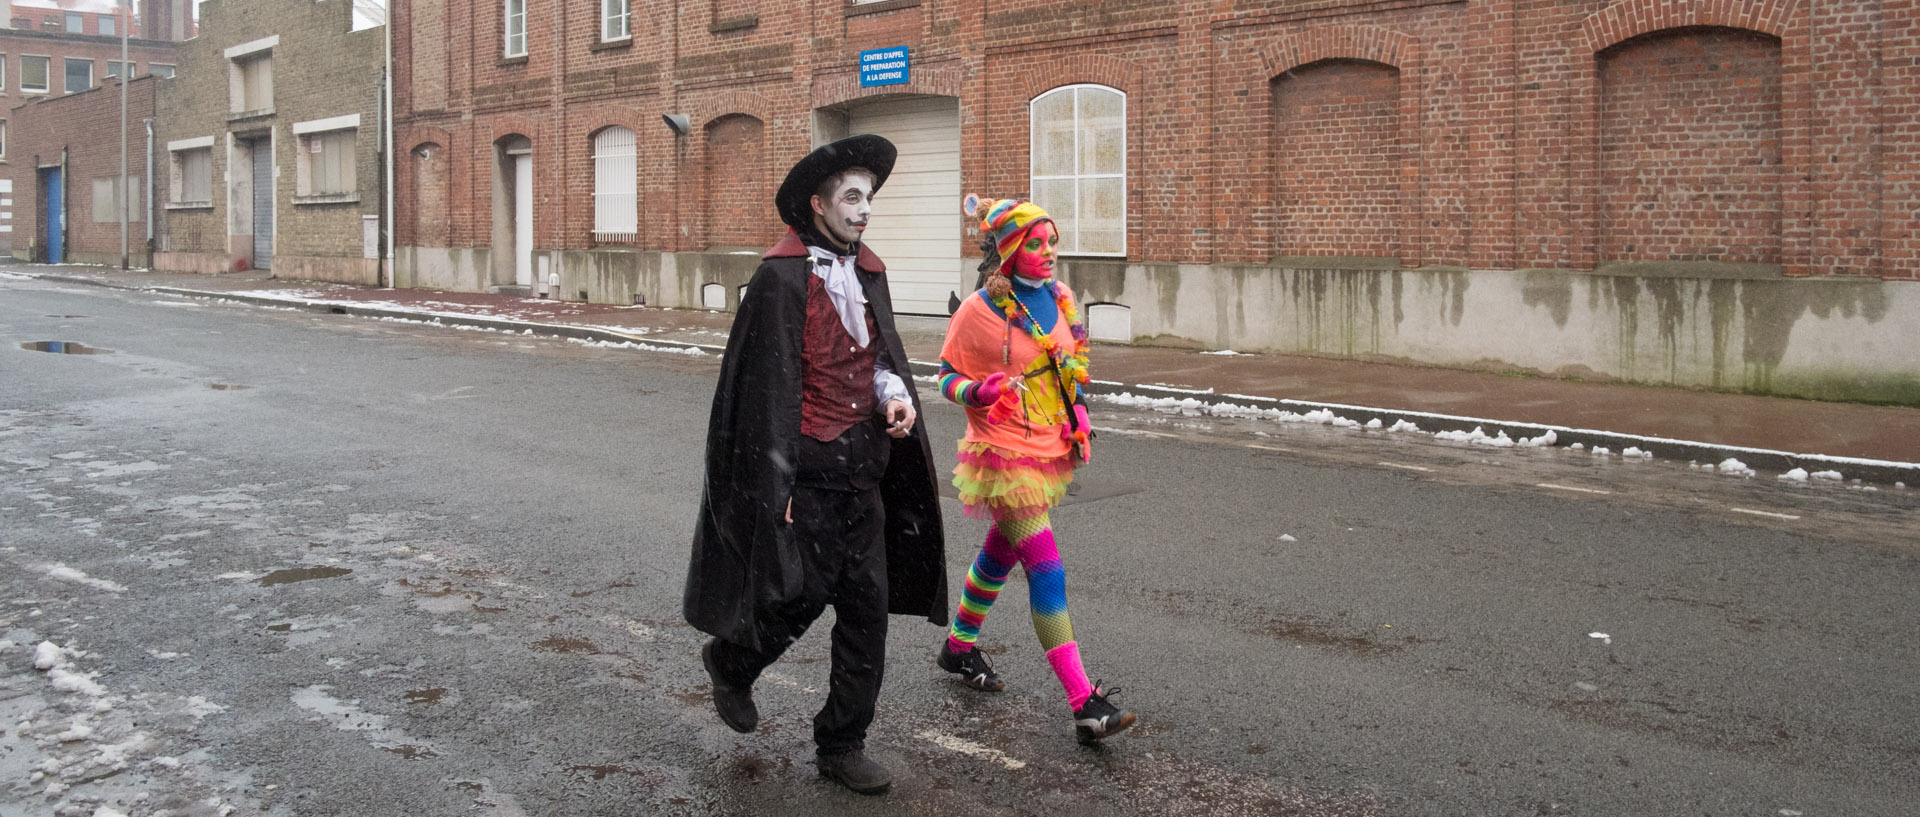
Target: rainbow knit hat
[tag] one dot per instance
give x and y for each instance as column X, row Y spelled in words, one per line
column 1007, row 220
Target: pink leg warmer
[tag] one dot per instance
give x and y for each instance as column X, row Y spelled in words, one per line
column 1066, row 664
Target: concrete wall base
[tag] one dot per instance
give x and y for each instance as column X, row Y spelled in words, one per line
column 203, row 263
column 1723, row 327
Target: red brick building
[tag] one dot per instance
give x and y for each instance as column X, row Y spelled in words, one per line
column 50, row 51
column 69, row 142
column 1644, row 189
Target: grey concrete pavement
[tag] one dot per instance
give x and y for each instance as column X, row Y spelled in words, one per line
column 327, row 566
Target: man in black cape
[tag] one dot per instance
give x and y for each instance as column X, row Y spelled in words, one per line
column 820, row 485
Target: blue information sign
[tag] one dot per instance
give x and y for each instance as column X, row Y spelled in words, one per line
column 883, row 66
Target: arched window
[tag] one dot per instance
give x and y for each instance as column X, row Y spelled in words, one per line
column 1079, row 166
column 616, row 214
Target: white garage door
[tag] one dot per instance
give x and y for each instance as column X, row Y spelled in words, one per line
column 917, row 223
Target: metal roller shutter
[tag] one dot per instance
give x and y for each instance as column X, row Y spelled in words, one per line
column 917, row 225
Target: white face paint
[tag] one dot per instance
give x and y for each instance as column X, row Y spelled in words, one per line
column 844, row 217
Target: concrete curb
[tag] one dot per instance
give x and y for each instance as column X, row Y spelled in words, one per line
column 1759, row 459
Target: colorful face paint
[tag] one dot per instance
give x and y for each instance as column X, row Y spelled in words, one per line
column 844, row 216
column 1034, row 259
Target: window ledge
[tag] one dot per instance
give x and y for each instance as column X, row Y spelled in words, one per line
column 328, row 198
column 733, row 24
column 253, row 114
column 612, row 45
column 510, row 61
column 859, row 9
column 189, row 205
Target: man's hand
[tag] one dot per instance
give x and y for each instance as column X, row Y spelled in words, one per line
column 900, row 418
column 789, row 511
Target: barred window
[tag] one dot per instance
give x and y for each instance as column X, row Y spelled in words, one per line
column 1079, row 166
column 616, row 214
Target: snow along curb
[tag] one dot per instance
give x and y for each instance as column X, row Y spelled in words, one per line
column 1868, row 470
column 1881, row 471
column 516, row 326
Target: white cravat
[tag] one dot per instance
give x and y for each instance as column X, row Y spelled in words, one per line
column 843, row 286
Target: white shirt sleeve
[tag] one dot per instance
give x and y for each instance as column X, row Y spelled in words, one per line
column 887, row 386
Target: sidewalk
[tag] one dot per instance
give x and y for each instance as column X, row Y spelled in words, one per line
column 1767, row 433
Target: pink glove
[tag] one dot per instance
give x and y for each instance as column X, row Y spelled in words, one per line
column 988, row 391
column 1079, row 427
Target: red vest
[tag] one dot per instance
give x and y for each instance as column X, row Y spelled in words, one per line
column 836, row 375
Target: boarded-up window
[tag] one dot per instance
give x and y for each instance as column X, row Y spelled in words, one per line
column 1690, row 148
column 615, row 187
column 193, row 180
column 736, row 182
column 1079, row 166
column 104, row 195
column 1337, row 158
column 430, row 226
column 326, row 163
column 253, row 83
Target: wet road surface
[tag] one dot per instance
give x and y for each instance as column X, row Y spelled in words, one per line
column 303, row 564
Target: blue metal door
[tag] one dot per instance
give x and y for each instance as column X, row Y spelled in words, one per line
column 56, row 225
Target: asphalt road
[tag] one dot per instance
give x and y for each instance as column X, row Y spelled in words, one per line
column 310, row 564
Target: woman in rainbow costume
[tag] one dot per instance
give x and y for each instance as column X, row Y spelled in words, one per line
column 1016, row 359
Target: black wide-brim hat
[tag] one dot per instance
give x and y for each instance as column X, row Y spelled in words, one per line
column 795, row 199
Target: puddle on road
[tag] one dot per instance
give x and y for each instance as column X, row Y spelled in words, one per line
column 563, row 644
column 65, row 316
column 227, row 386
column 411, row 752
column 425, row 696
column 63, row 347
column 301, row 574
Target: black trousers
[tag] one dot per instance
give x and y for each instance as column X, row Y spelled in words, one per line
column 841, row 533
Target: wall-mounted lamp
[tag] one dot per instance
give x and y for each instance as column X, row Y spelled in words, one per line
column 678, row 122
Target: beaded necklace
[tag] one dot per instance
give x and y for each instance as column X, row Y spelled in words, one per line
column 1071, row 363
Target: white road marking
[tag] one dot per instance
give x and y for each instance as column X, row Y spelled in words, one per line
column 1770, row 514
column 971, row 749
column 1269, row 447
column 1570, row 488
column 1406, row 467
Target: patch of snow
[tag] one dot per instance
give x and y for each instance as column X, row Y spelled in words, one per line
column 1634, row 451
column 1832, row 475
column 1795, row 475
column 1601, row 451
column 68, row 574
column 1478, row 436
column 1543, row 441
column 645, row 347
column 1403, row 425
column 1734, row 467
column 1375, row 423
column 1577, row 447
column 1223, row 353
column 1602, row 637
column 1287, row 537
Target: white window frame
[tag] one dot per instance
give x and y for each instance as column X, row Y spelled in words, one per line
column 105, row 26
column 3, row 74
column 3, row 140
column 75, row 23
column 1070, row 244
column 44, row 89
column 514, row 43
column 616, row 186
column 111, row 68
column 178, row 171
column 616, row 20
column 168, row 66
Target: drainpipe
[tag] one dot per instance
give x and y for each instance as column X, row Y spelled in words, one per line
column 147, row 208
column 386, row 222
column 120, row 191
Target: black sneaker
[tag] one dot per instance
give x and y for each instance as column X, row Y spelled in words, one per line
column 972, row 668
column 735, row 706
column 855, row 771
column 1098, row 718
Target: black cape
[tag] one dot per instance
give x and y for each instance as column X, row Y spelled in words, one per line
column 745, row 564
